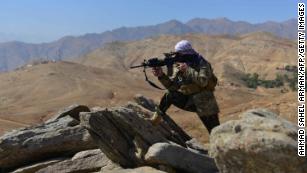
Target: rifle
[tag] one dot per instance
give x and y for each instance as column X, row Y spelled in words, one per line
column 168, row 60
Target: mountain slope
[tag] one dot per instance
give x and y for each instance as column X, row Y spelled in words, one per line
column 256, row 52
column 14, row 54
column 33, row 92
column 103, row 78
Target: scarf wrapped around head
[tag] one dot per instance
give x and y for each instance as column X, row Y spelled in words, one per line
column 184, row 47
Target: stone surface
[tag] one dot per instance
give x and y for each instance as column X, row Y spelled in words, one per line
column 37, row 166
column 166, row 119
column 196, row 146
column 145, row 169
column 179, row 158
column 72, row 111
column 258, row 142
column 86, row 153
column 124, row 134
column 57, row 138
column 145, row 102
column 85, row 161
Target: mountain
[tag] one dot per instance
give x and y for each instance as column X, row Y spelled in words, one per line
column 102, row 77
column 258, row 52
column 15, row 54
column 286, row 29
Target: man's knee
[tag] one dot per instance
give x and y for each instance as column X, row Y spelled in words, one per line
column 166, row 101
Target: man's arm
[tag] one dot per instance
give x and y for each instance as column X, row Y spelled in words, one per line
column 168, row 83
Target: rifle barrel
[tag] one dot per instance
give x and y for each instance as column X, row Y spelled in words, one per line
column 137, row 66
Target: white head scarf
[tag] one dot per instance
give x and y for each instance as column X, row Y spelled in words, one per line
column 184, row 46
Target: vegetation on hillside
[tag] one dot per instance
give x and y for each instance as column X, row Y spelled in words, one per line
column 289, row 79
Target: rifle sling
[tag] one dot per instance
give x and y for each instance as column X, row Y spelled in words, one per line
column 150, row 82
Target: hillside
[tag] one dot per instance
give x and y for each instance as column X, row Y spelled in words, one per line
column 15, row 54
column 231, row 56
column 33, row 93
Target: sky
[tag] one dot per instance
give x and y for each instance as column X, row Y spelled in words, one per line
column 37, row 21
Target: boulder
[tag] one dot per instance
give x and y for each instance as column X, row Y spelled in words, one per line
column 39, row 165
column 180, row 158
column 145, row 102
column 166, row 119
column 196, row 146
column 60, row 137
column 259, row 141
column 144, row 169
column 124, row 134
column 85, row 161
column 72, row 111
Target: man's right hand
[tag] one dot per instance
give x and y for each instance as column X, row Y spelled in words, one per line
column 157, row 71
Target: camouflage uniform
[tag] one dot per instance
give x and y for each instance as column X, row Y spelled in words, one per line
column 191, row 91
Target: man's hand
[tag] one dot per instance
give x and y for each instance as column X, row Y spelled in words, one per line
column 157, row 71
column 181, row 66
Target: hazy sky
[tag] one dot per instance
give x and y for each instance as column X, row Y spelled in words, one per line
column 48, row 20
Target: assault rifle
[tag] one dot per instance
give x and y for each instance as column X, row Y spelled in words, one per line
column 169, row 59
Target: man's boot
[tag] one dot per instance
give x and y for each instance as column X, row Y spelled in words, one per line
column 156, row 119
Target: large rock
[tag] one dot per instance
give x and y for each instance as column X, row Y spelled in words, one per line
column 145, row 102
column 144, row 169
column 125, row 135
column 37, row 166
column 60, row 137
column 196, row 146
column 73, row 111
column 179, row 158
column 259, row 142
column 85, row 161
column 140, row 108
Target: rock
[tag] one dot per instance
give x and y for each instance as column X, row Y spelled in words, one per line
column 72, row 111
column 258, row 142
column 196, row 146
column 166, row 120
column 87, row 153
column 37, row 166
column 124, row 134
column 111, row 166
column 145, row 102
column 85, row 161
column 61, row 137
column 179, row 158
column 144, row 169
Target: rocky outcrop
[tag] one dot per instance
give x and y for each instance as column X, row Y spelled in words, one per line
column 258, row 142
column 143, row 169
column 145, row 102
column 39, row 165
column 123, row 140
column 85, row 161
column 57, row 138
column 180, row 158
column 72, row 111
column 125, row 135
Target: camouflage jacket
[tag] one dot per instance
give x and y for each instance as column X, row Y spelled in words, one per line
column 194, row 80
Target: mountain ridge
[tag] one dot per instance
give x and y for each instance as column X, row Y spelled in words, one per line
column 14, row 54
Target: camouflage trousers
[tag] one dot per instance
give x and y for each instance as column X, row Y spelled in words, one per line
column 203, row 103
